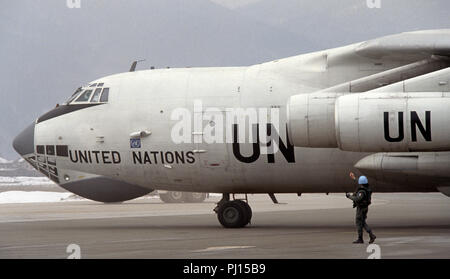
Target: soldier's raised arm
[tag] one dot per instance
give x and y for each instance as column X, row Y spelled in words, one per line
column 353, row 177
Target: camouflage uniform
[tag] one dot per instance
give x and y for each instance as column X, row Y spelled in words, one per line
column 361, row 200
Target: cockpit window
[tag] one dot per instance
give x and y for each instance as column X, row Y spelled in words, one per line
column 105, row 95
column 84, row 97
column 96, row 95
column 87, row 94
column 74, row 95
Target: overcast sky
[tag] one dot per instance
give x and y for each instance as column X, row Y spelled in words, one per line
column 47, row 50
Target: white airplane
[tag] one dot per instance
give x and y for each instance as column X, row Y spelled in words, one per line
column 296, row 125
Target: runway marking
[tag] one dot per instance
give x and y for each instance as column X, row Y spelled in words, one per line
column 62, row 218
column 144, row 240
column 438, row 239
column 32, row 246
column 222, row 248
column 89, row 243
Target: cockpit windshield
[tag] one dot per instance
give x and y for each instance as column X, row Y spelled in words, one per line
column 93, row 93
column 84, row 97
column 74, row 95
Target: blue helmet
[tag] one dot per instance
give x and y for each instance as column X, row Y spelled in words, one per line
column 363, row 180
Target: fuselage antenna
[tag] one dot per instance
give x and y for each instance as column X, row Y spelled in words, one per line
column 134, row 64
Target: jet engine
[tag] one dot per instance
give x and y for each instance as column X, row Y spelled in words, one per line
column 371, row 121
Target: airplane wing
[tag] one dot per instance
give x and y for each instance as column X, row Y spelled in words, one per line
column 400, row 113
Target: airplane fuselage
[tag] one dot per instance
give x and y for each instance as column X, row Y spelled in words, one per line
column 181, row 129
column 98, row 137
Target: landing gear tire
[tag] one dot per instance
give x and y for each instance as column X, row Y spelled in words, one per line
column 195, row 197
column 172, row 197
column 249, row 212
column 234, row 214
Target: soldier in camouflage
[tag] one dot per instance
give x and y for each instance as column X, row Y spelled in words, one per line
column 361, row 200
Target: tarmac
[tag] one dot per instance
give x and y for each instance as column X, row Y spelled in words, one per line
column 415, row 225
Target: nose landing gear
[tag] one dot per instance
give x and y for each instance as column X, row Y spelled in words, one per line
column 233, row 213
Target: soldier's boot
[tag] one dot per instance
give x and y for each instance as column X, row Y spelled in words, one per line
column 372, row 238
column 360, row 236
column 359, row 241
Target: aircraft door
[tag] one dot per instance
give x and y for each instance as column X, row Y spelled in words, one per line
column 209, row 139
column 210, row 147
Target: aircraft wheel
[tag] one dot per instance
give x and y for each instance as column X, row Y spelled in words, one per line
column 195, row 197
column 249, row 212
column 172, row 197
column 233, row 214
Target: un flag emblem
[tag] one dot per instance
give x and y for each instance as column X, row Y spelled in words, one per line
column 135, row 143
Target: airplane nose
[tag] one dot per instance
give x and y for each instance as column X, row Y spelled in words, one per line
column 24, row 142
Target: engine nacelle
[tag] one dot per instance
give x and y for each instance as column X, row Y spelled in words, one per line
column 371, row 122
column 310, row 119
